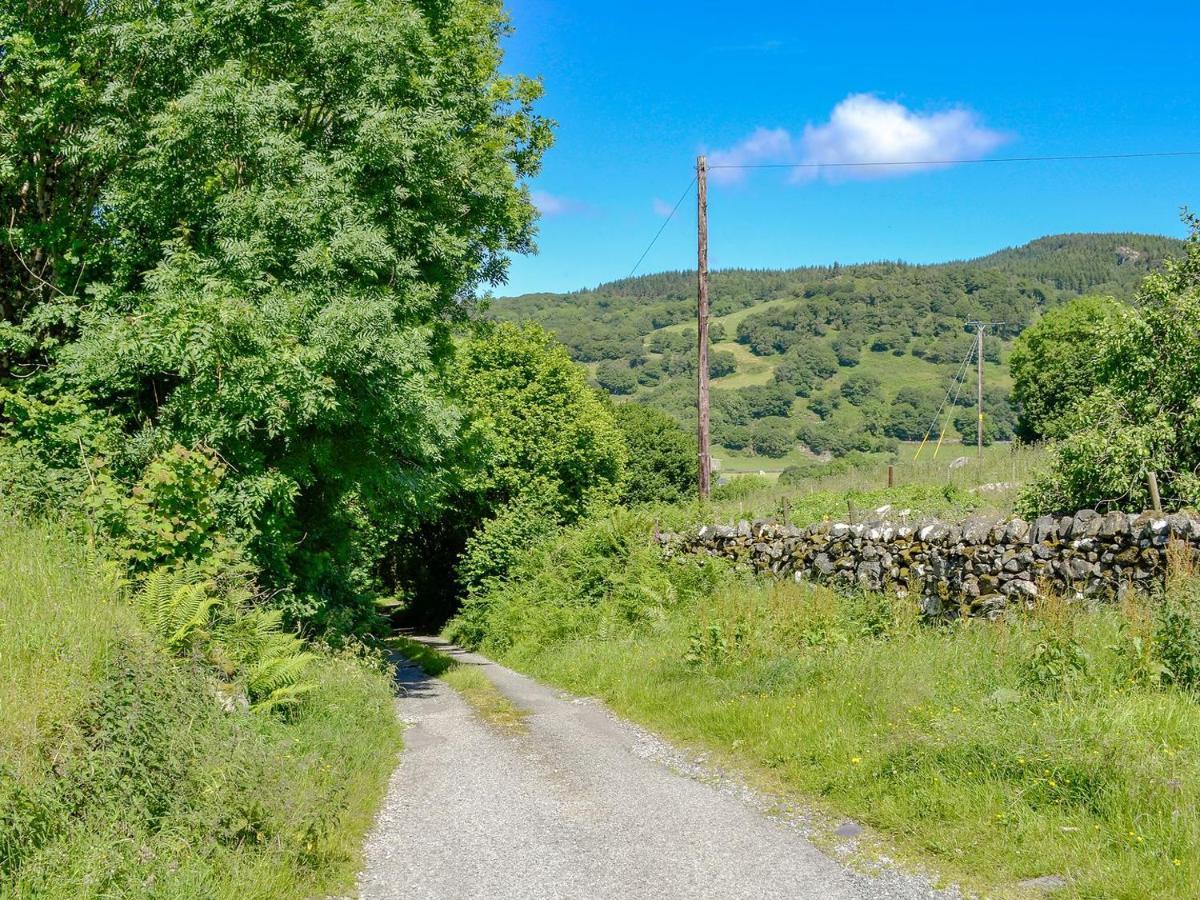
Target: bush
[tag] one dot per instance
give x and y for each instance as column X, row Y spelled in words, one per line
column 1144, row 414
column 739, row 487
column 662, row 462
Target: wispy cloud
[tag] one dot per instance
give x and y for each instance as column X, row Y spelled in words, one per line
column 554, row 205
column 661, row 207
column 765, row 145
column 865, row 129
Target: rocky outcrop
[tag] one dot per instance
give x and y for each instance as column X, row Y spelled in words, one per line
column 978, row 566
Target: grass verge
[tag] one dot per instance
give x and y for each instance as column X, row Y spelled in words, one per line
column 122, row 775
column 474, row 687
column 997, row 751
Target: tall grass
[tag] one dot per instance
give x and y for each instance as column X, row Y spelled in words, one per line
column 122, row 775
column 1042, row 744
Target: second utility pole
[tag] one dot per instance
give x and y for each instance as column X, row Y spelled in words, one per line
column 979, row 393
column 980, row 327
column 702, row 326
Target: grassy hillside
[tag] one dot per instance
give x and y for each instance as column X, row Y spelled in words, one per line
column 122, row 775
column 893, row 328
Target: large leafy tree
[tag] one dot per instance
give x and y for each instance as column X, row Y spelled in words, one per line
column 1144, row 413
column 249, row 225
column 553, row 448
column 1054, row 363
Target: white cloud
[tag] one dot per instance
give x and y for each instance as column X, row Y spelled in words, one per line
column 765, row 145
column 865, row 129
column 662, row 207
column 554, row 205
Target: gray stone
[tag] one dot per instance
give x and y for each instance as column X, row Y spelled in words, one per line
column 848, row 829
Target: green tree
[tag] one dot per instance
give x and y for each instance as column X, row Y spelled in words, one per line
column 248, row 228
column 721, row 363
column 662, row 460
column 911, row 414
column 772, row 437
column 1144, row 415
column 1055, row 363
column 616, row 377
column 550, row 447
column 859, row 389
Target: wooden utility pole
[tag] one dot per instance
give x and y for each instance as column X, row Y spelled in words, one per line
column 702, row 326
column 980, row 328
column 979, row 392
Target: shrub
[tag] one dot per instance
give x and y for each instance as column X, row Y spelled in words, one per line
column 661, row 460
column 1144, row 414
column 1054, row 362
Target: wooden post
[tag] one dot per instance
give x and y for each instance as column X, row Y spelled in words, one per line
column 891, row 475
column 1155, row 500
column 702, row 326
column 979, row 392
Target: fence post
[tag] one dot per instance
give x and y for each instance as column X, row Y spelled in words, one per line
column 891, row 475
column 1155, row 500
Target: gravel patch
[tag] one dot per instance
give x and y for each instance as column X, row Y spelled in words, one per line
column 584, row 804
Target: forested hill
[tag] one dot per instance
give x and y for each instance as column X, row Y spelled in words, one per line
column 786, row 342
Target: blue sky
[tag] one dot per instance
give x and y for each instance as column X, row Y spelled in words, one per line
column 640, row 88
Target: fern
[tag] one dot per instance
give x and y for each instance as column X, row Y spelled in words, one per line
column 246, row 646
column 271, row 662
column 175, row 606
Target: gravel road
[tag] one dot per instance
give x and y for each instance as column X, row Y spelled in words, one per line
column 581, row 804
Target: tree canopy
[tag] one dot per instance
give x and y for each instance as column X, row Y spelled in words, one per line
column 1143, row 415
column 248, row 226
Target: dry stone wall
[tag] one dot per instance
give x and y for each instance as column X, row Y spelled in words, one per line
column 979, row 566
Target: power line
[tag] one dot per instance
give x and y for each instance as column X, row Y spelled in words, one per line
column 959, row 376
column 687, row 190
column 955, row 162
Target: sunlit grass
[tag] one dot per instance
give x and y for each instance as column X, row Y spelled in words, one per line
column 122, row 776
column 474, row 687
column 1033, row 746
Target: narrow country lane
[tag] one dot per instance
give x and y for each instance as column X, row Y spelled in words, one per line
column 581, row 804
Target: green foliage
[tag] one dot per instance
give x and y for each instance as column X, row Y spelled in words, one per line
column 124, row 772
column 255, row 659
column 740, row 488
column 1000, row 420
column 616, row 377
column 773, row 437
column 662, row 465
column 798, row 474
column 1054, row 363
column 170, row 516
column 493, row 547
column 1144, row 414
column 550, row 447
column 994, row 735
column 911, row 414
column 543, row 428
column 721, row 363
column 254, row 230
column 859, row 389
